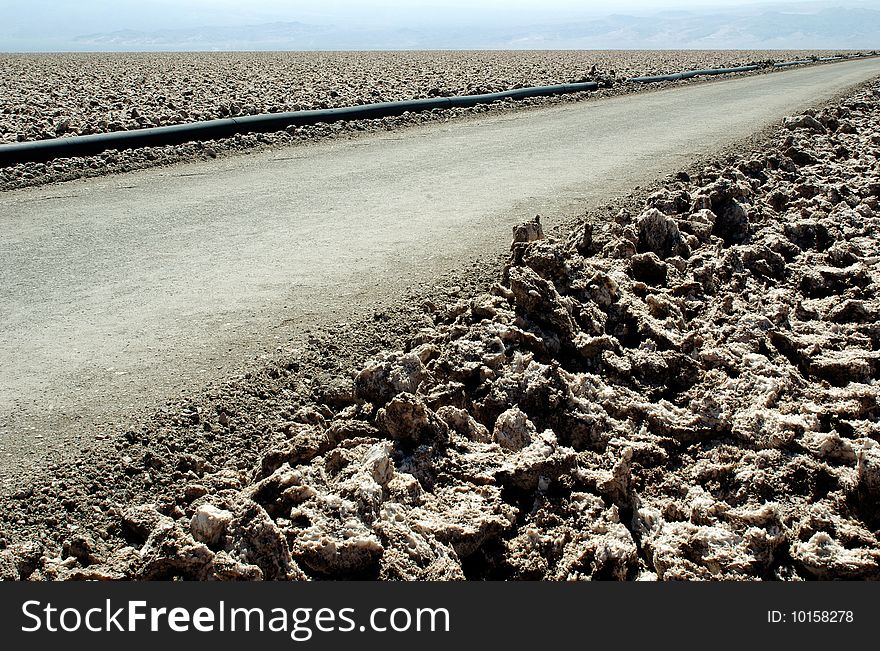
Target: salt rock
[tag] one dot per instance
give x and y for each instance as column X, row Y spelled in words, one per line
column 208, row 524
column 82, row 547
column 529, row 231
column 768, row 428
column 808, row 233
column 685, row 551
column 282, row 489
column 338, row 543
column 608, row 553
column 170, row 552
column 253, row 538
column 407, row 418
column 670, row 202
column 576, row 538
column 384, row 378
column 702, row 201
column 8, row 567
column 404, row 489
column 143, row 519
column 93, row 573
column 117, row 565
column 341, row 428
column 464, row 516
column 410, row 554
column 363, row 491
column 224, row 479
column 536, row 465
column 224, row 567
column 801, row 156
column 377, row 463
column 732, row 223
column 618, row 485
column 829, row 446
column 659, row 233
column 603, row 289
column 841, row 368
column 853, row 311
column 462, row 422
column 869, row 474
column 27, row 557
column 649, row 269
column 804, row 122
column 513, row 430
column 539, row 297
column 304, row 444
column 825, row 558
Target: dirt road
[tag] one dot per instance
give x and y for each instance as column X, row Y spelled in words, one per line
column 119, row 292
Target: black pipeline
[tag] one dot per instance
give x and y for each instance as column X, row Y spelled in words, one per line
column 787, row 64
column 43, row 150
column 688, row 74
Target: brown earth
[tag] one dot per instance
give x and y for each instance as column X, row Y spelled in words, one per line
column 57, row 95
column 685, row 391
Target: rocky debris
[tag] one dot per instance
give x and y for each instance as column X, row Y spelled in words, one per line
column 686, row 392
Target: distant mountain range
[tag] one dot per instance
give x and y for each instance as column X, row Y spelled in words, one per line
column 845, row 28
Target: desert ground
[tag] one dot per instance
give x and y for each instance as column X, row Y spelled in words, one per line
column 679, row 385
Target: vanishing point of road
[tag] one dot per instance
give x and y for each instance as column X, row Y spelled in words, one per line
column 119, row 292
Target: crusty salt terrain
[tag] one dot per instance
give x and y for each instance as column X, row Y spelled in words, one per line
column 58, row 95
column 687, row 391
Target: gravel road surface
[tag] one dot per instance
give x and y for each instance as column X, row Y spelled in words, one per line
column 119, row 292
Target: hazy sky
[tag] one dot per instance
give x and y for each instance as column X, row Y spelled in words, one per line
column 49, row 18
